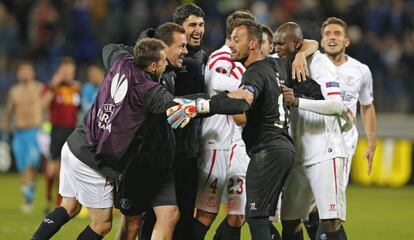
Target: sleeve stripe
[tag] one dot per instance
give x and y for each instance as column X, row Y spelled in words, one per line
column 220, row 53
column 220, row 58
column 240, row 70
column 234, row 74
column 333, row 93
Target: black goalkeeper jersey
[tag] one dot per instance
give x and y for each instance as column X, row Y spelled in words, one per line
column 267, row 117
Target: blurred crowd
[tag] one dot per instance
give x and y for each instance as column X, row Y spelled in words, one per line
column 45, row 31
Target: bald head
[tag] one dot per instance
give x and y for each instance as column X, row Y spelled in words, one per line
column 291, row 29
column 288, row 39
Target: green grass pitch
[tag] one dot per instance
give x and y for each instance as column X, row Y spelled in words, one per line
column 373, row 214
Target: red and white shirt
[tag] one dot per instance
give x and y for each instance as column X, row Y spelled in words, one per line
column 221, row 74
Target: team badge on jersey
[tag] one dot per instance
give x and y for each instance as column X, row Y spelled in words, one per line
column 211, row 201
column 350, row 80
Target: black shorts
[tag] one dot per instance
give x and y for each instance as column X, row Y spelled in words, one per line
column 144, row 188
column 58, row 138
column 266, row 174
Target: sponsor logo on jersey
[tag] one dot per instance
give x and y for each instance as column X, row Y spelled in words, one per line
column 332, row 207
column 346, row 97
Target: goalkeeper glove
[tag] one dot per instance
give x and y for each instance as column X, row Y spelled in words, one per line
column 346, row 120
column 180, row 115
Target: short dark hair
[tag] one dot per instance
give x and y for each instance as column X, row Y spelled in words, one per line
column 24, row 61
column 67, row 60
column 335, row 20
column 253, row 28
column 97, row 64
column 147, row 51
column 165, row 32
column 266, row 29
column 239, row 14
column 182, row 12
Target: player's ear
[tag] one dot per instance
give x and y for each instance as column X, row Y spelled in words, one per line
column 153, row 67
column 253, row 44
column 272, row 47
column 298, row 44
column 347, row 42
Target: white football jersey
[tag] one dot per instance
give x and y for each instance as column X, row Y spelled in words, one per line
column 318, row 137
column 355, row 79
column 221, row 74
column 237, row 136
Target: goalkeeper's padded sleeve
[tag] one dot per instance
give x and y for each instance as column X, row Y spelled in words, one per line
column 228, row 106
column 324, row 107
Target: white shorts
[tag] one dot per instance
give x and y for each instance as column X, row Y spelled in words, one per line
column 322, row 182
column 223, row 171
column 87, row 186
column 348, row 161
column 212, row 179
column 236, row 191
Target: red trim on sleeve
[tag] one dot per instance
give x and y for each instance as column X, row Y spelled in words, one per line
column 234, row 75
column 221, row 58
column 240, row 70
column 334, row 93
column 220, row 53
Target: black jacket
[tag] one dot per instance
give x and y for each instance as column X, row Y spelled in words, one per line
column 190, row 80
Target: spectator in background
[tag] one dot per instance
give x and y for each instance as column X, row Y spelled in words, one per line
column 26, row 102
column 64, row 104
column 43, row 43
column 95, row 75
column 8, row 36
column 9, row 48
column 83, row 44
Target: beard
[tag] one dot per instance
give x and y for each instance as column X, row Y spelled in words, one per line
column 242, row 58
